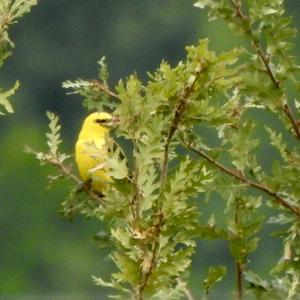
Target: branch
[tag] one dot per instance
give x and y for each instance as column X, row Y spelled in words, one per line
column 155, row 247
column 239, row 13
column 164, row 169
column 239, row 277
column 289, row 114
column 266, row 62
column 65, row 171
column 238, row 263
column 105, row 89
column 251, row 183
column 136, row 199
column 174, row 126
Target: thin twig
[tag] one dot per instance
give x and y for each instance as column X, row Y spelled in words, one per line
column 105, row 89
column 135, row 180
column 256, row 44
column 238, row 263
column 155, row 246
column 295, row 124
column 64, row 170
column 239, row 277
column 266, row 61
column 249, row 182
column 174, row 126
column 135, row 210
column 164, row 169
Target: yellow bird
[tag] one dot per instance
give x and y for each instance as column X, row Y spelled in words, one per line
column 91, row 150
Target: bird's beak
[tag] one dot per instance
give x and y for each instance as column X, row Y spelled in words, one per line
column 114, row 121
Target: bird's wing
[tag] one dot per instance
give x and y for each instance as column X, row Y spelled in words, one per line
column 90, row 153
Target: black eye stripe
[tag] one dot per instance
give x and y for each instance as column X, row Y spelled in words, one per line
column 101, row 121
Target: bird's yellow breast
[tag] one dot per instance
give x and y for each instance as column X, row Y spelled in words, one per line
column 90, row 158
column 91, row 151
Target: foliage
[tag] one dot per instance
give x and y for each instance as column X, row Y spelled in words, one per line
column 10, row 11
column 150, row 206
column 215, row 274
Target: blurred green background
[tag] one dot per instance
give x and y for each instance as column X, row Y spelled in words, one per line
column 43, row 256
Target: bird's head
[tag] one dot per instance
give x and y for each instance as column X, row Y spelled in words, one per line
column 99, row 122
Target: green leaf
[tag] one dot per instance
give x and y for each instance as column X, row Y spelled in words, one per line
column 215, row 275
column 255, row 280
column 93, row 92
column 113, row 284
column 210, row 232
column 129, row 269
column 203, row 3
column 54, row 135
column 281, row 219
column 103, row 70
column 268, row 10
column 117, row 165
column 122, row 236
column 175, row 293
column 101, row 282
column 4, row 101
column 103, row 239
column 241, row 248
column 21, row 7
column 175, row 263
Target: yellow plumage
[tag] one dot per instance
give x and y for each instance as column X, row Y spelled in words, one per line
column 91, row 150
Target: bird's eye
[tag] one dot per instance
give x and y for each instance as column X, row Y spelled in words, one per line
column 101, row 121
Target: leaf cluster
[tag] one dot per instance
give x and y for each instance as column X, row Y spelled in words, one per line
column 10, row 12
column 268, row 75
